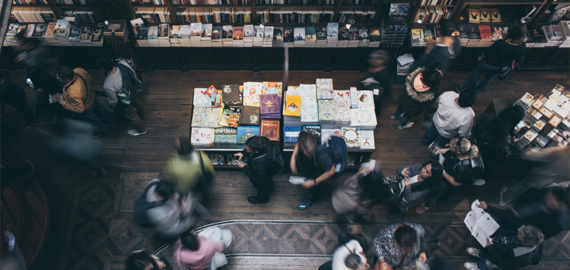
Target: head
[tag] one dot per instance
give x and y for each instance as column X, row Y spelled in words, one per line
column 516, row 32
column 378, row 58
column 429, row 78
column 370, row 183
column 165, row 189
column 467, row 98
column 462, row 146
column 530, row 236
column 307, row 144
column 106, row 63
column 65, row 74
column 406, row 237
column 511, row 116
column 355, row 262
column 189, row 241
column 431, row 170
column 183, row 146
column 445, row 27
column 354, row 230
column 254, row 145
column 556, row 198
column 141, row 260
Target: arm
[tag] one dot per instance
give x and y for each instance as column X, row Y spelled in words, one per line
column 111, row 96
column 506, row 219
column 73, row 102
column 292, row 163
column 451, row 179
column 256, row 172
column 323, row 177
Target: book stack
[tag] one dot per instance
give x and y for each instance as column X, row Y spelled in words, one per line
column 553, row 34
column 342, row 107
column 278, row 37
column 473, row 35
column 375, row 39
column 343, row 37
column 248, row 33
column 238, row 37
column 227, row 35
column 217, row 36
column 486, row 35
column 268, row 36
column 321, row 33
column 152, row 37
column 175, row 36
column 299, row 36
column 363, row 37
column 270, row 106
column 116, row 31
column 86, row 36
column 259, row 35
column 74, row 35
column 163, row 35
column 332, row 34
column 565, row 28
column 10, row 39
column 196, row 34
column 353, row 40
column 310, row 37
column 417, row 38
column 33, row 15
column 97, row 36
column 363, row 115
column 291, row 116
column 288, row 39
column 185, row 35
column 50, row 34
column 61, row 32
column 309, row 109
column 206, row 36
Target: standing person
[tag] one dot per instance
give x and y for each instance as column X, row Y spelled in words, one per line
column 79, row 99
column 377, row 68
column 44, row 85
column 438, row 53
column 33, row 53
column 189, row 170
column 259, row 167
column 348, row 256
column 512, row 246
column 547, row 209
column 13, row 95
column 453, row 117
column 313, row 162
column 203, row 250
column 399, row 245
column 120, row 87
column 422, row 86
column 142, row 260
column 498, row 57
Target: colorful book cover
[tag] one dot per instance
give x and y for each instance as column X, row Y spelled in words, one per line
column 202, row 136
column 474, row 16
column 367, row 139
column 365, row 99
column 288, row 35
column 321, row 32
column 246, row 132
column 225, row 137
column 313, row 129
column 199, row 116
column 291, row 133
column 332, row 31
column 351, row 136
column 310, row 33
column 324, row 88
column 230, row 117
column 250, row 116
column 270, row 104
column 293, row 106
column 231, row 94
column 272, row 88
column 485, row 15
column 270, row 129
column 428, row 35
column 278, row 33
column 202, row 98
column 251, row 92
column 341, row 98
column 212, row 117
column 328, row 132
column 238, row 33
column 495, row 15
column 215, row 97
column 326, row 109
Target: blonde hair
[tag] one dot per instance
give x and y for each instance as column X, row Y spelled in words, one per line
column 463, row 146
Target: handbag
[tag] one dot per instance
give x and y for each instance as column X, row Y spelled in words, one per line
column 504, row 74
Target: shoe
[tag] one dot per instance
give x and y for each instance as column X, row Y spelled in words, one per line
column 470, row 266
column 304, row 204
column 134, row 132
column 103, row 172
column 473, row 252
column 101, row 135
column 396, row 118
column 501, row 200
column 479, row 182
column 256, row 200
column 408, row 125
column 422, row 209
column 459, row 88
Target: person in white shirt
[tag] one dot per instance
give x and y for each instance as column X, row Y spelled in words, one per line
column 349, row 256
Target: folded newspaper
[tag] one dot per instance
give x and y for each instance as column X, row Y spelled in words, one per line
column 297, row 180
column 480, row 223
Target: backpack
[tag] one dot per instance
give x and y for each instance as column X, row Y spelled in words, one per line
column 141, row 206
column 337, row 150
column 206, row 179
column 274, row 156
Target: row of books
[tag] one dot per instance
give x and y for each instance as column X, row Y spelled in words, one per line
column 546, row 122
column 154, row 15
column 484, row 15
column 29, row 2
column 213, row 15
column 431, row 14
column 32, row 15
column 149, row 2
column 210, row 2
column 480, row 35
column 294, row 2
column 358, row 16
column 294, row 15
column 71, row 2
column 80, row 17
column 57, row 34
column 557, row 35
column 436, row 2
column 360, row 2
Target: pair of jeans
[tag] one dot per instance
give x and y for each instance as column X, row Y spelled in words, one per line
column 443, row 190
column 432, row 135
column 405, row 118
column 483, row 263
column 95, row 115
column 490, row 73
column 135, row 116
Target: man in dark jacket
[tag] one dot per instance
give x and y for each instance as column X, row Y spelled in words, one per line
column 15, row 96
column 438, row 53
column 258, row 167
column 512, row 246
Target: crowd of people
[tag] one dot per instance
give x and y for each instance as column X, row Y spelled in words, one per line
column 172, row 206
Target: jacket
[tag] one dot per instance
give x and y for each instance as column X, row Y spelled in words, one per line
column 415, row 191
column 450, row 120
column 130, row 81
column 413, row 103
column 257, row 169
column 172, row 218
column 185, row 171
column 78, row 95
column 551, row 166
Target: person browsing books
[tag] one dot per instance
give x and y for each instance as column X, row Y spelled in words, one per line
column 439, row 52
column 258, row 167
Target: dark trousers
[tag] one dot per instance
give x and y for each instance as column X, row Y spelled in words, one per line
column 21, row 106
column 441, row 193
column 135, row 116
column 263, row 189
column 405, row 118
column 490, row 73
column 94, row 115
column 432, row 135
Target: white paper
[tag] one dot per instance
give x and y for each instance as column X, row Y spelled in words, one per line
column 297, row 180
column 405, row 59
column 480, row 223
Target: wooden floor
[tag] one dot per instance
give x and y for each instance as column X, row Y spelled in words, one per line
column 91, row 226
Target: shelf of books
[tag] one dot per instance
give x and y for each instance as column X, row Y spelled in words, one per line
column 325, row 112
column 222, row 120
column 546, row 122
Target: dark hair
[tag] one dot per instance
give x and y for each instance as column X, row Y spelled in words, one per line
column 184, row 146
column 106, row 63
column 65, row 72
column 370, row 184
column 516, row 32
column 436, row 168
column 436, row 173
column 510, row 117
column 431, row 78
column 307, row 143
column 165, row 189
column 405, row 236
column 445, row 27
column 43, row 80
column 353, row 261
column 139, row 260
column 467, row 98
column 255, row 143
column 21, row 36
column 189, row 241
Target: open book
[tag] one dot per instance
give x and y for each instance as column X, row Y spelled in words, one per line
column 480, row 223
column 55, row 98
column 297, row 180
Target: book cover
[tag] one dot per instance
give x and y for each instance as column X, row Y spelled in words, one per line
column 342, row 114
column 248, row 30
column 362, row 117
column 74, row 33
column 268, row 32
column 272, row 88
column 238, row 33
column 343, row 33
column 152, row 32
column 291, row 133
column 163, row 30
column 202, row 98
column 417, row 37
column 230, row 117
column 485, row 15
column 321, row 32
column 212, row 116
column 299, row 34
column 342, row 98
column 288, row 35
column 250, row 116
column 246, row 132
column 367, row 139
column 259, row 31
column 328, row 132
column 326, row 109
column 39, row 30
column 278, row 33
column 228, row 31
column 217, row 33
column 195, row 29
column 215, row 97
column 313, row 129
column 206, row 31
column 270, row 104
column 96, row 35
column 324, row 88
column 309, row 107
column 495, row 15
column 202, row 136
column 293, row 106
column 270, row 129
column 231, row 94
column 374, row 34
column 474, row 16
column 351, row 136
column 332, row 31
column 251, row 93
column 429, row 35
column 310, row 33
column 86, row 34
column 365, row 99
column 225, row 137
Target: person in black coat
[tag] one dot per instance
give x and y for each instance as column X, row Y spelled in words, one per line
column 13, row 95
column 378, row 69
column 257, row 168
column 44, row 85
column 438, row 53
column 547, row 209
column 512, row 246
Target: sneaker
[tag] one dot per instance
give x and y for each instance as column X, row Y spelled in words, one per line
column 256, row 200
column 304, row 204
column 422, row 209
column 479, row 182
column 459, row 88
column 396, row 118
column 103, row 172
column 473, row 252
column 134, row 132
column 470, row 266
column 408, row 125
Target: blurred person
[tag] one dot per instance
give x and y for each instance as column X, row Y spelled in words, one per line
column 348, row 256
column 377, row 68
column 399, row 245
column 121, row 88
column 33, row 53
column 499, row 57
column 314, row 162
column 203, row 250
column 353, row 232
column 44, row 85
column 79, row 99
column 438, row 53
column 514, row 245
column 547, row 209
column 453, row 117
column 142, row 260
column 422, row 88
column 549, row 168
column 188, row 169
column 13, row 95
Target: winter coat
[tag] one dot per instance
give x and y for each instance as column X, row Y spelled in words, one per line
column 414, row 103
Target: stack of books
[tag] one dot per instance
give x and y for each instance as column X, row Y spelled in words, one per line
column 227, row 35
column 268, row 36
column 115, row 31
column 343, row 36
column 486, row 35
column 553, row 34
column 332, row 34
column 217, row 36
column 299, row 36
column 61, row 31
column 321, row 33
column 363, row 37
column 196, row 34
column 565, row 28
column 259, row 36
column 175, row 36
column 278, row 37
column 248, row 33
column 206, row 36
column 238, row 36
column 163, row 35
